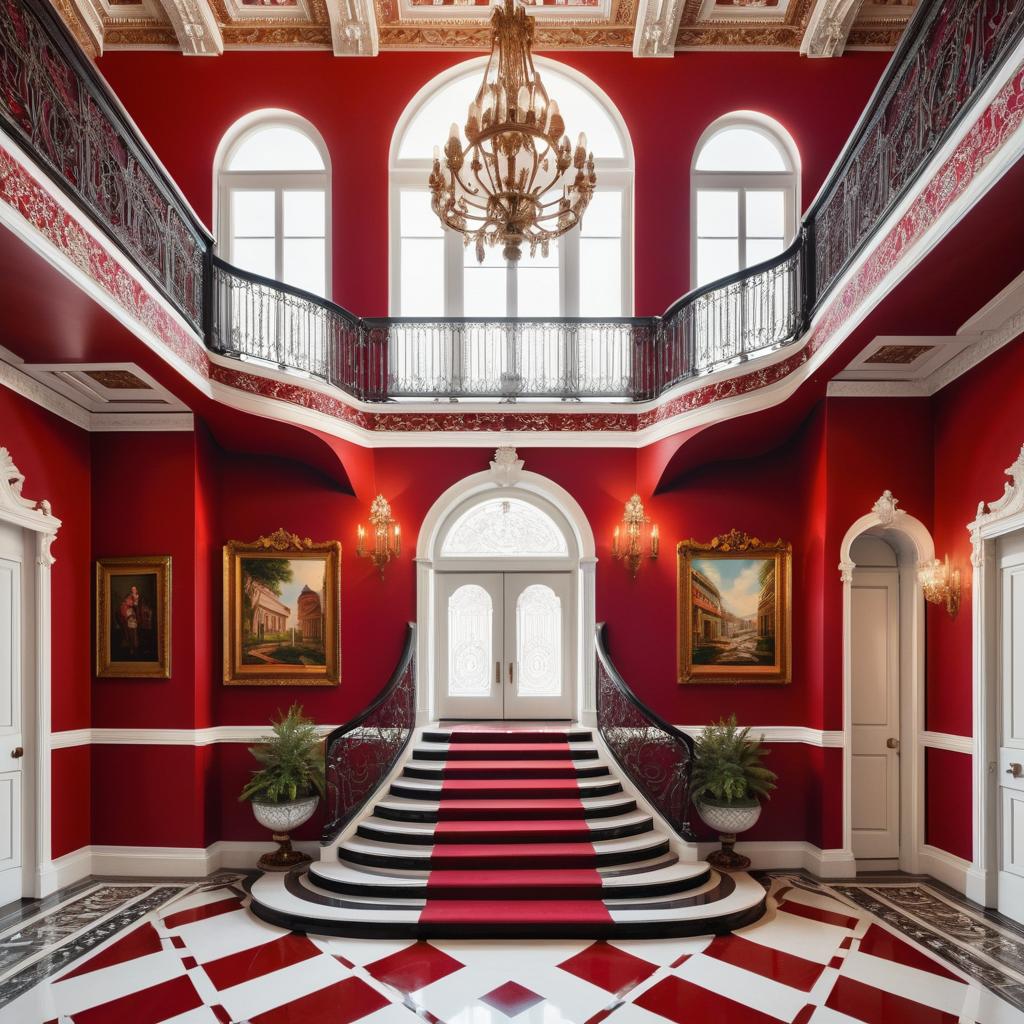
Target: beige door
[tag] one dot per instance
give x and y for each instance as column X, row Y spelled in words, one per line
column 11, row 740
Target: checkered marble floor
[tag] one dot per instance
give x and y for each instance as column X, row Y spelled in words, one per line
column 813, row 959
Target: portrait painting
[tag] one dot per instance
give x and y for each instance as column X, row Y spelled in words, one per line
column 281, row 612
column 734, row 610
column 133, row 622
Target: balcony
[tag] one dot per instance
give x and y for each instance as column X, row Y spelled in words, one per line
column 55, row 106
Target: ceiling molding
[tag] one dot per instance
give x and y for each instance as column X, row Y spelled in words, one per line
column 828, row 28
column 353, row 28
column 196, row 27
column 657, row 26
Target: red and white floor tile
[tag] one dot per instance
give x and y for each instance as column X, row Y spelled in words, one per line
column 813, row 959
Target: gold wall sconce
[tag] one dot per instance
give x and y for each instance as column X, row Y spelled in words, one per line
column 636, row 537
column 941, row 584
column 386, row 535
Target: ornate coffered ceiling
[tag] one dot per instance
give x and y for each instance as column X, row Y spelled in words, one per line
column 650, row 28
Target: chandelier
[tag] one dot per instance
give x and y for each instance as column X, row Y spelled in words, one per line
column 502, row 186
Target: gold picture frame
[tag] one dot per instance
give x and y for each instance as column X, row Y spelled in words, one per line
column 133, row 617
column 735, row 610
column 281, row 599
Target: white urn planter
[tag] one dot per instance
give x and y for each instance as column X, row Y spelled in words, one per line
column 728, row 819
column 282, row 819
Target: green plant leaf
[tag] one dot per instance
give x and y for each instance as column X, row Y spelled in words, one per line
column 291, row 759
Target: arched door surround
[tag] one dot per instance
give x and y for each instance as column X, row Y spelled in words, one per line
column 553, row 536
column 913, row 544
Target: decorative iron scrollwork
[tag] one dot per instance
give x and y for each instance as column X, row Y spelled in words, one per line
column 360, row 754
column 656, row 756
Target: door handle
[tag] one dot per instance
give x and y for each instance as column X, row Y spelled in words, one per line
column 1015, row 770
column 892, row 743
column 510, row 673
column 497, row 673
column 20, row 752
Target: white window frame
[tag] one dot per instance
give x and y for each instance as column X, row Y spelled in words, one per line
column 278, row 182
column 787, row 181
column 613, row 173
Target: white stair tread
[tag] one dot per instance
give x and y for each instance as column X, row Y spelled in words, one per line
column 504, row 764
column 555, row 754
column 427, row 828
column 434, row 785
column 592, row 803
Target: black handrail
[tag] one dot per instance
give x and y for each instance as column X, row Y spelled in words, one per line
column 656, row 756
column 57, row 106
column 359, row 755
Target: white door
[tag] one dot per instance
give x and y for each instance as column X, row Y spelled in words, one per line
column 505, row 645
column 1011, row 729
column 11, row 761
column 875, row 664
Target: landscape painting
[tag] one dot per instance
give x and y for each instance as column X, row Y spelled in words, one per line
column 734, row 614
column 281, row 606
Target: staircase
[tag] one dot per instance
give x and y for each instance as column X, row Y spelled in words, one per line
column 505, row 831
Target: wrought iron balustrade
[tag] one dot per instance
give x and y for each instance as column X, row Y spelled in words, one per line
column 56, row 106
column 657, row 757
column 360, row 754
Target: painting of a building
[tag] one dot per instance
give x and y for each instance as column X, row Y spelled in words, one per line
column 707, row 608
column 310, row 615
column 766, row 601
column 269, row 615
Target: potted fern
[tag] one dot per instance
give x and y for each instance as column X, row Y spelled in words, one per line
column 284, row 792
column 728, row 783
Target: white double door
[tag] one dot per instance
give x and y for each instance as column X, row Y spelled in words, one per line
column 1011, row 727
column 505, row 645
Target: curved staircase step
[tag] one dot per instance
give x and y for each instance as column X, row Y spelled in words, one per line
column 497, row 789
column 506, row 734
column 505, row 751
column 409, row 809
column 562, row 768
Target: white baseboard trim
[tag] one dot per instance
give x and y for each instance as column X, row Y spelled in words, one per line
column 67, row 870
column 946, row 867
column 792, row 855
column 164, row 861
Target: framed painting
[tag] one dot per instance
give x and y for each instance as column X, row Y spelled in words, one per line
column 133, row 617
column 735, row 597
column 281, row 598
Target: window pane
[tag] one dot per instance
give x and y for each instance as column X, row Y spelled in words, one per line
column 305, row 214
column 422, row 291
column 766, row 214
column 254, row 254
column 484, row 292
column 761, row 249
column 539, row 292
column 600, row 277
column 276, row 147
column 582, row 112
column 716, row 257
column 741, row 149
column 717, row 213
column 469, row 642
column 416, row 218
column 539, row 642
column 304, row 264
column 252, row 214
column 603, row 216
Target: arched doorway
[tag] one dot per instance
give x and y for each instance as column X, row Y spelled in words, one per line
column 883, row 687
column 505, row 599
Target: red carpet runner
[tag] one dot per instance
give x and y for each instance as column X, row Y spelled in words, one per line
column 512, row 844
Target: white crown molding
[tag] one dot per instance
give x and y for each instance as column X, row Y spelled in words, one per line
column 35, row 391
column 657, row 25
column 196, row 27
column 120, row 422
column 353, row 28
column 876, row 389
column 828, row 28
column 1002, row 515
column 947, row 741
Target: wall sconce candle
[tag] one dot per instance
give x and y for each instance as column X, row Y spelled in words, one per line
column 387, row 535
column 636, row 536
column 940, row 584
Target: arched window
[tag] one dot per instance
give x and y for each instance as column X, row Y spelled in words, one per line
column 274, row 200
column 587, row 273
column 745, row 185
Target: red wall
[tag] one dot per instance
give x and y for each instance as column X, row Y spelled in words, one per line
column 184, row 107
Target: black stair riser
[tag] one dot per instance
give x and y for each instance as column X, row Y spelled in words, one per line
column 513, row 757
column 504, row 863
column 554, row 738
column 589, row 813
column 381, row 835
column 515, row 770
column 479, row 892
column 610, row 788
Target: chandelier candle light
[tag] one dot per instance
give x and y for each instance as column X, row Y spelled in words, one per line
column 502, row 186
column 387, row 536
column 636, row 536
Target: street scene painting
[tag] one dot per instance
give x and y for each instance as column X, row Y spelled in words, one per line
column 734, row 615
column 133, row 617
column 281, row 605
